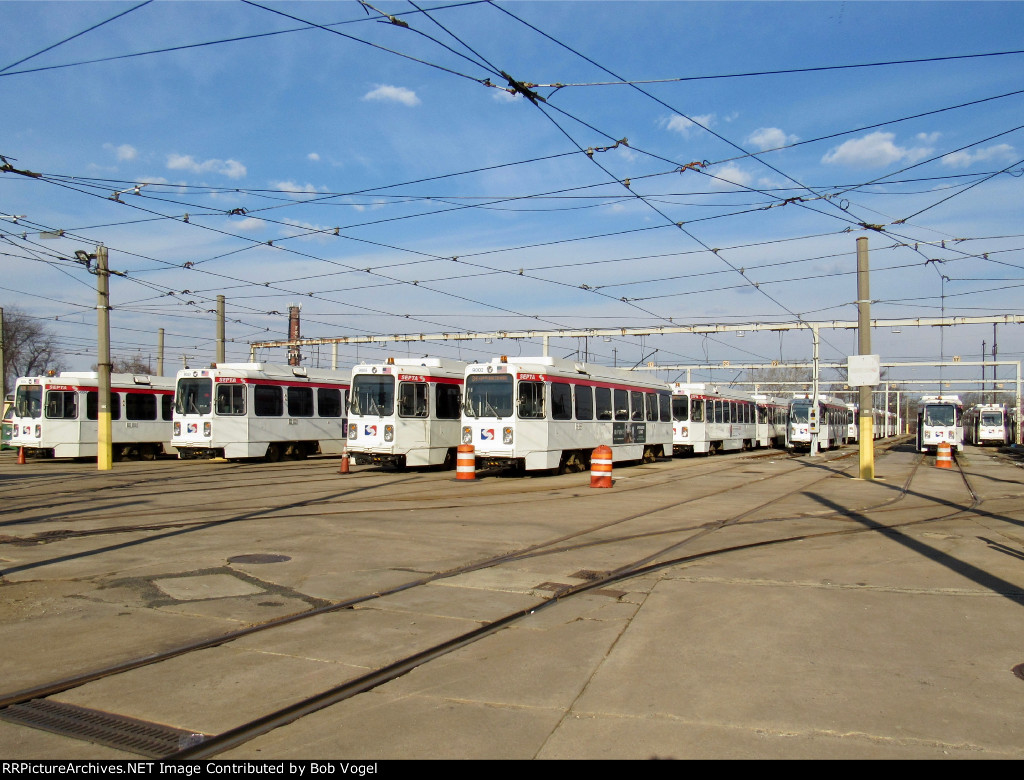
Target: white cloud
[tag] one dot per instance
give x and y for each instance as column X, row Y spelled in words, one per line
column 504, row 96
column 770, row 138
column 390, row 94
column 186, row 162
column 313, row 156
column 682, row 125
column 872, row 151
column 729, row 176
column 123, row 152
column 249, row 223
column 997, row 153
column 297, row 189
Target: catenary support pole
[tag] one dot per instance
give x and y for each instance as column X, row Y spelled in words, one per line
column 104, row 443
column 866, row 432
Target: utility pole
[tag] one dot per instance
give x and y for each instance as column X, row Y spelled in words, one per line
column 3, row 379
column 995, row 351
column 160, row 352
column 814, row 419
column 104, row 434
column 983, row 356
column 866, row 431
column 220, row 329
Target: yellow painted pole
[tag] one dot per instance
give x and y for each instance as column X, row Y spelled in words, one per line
column 104, row 437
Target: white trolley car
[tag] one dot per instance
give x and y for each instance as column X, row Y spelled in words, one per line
column 57, row 416
column 986, row 424
column 257, row 410
column 827, row 418
column 706, row 419
column 537, row 413
column 940, row 419
column 406, row 412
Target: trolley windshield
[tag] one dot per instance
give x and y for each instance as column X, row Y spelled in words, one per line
column 489, row 395
column 373, row 395
column 193, row 396
column 991, row 418
column 800, row 413
column 28, row 401
column 940, row 414
column 680, row 408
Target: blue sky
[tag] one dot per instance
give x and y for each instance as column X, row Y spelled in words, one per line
column 325, row 116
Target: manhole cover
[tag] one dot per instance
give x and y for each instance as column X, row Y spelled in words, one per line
column 259, row 558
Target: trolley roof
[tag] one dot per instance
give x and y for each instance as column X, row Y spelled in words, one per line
column 93, row 377
column 266, row 371
column 552, row 366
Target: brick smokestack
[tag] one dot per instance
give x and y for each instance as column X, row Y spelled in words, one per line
column 294, row 355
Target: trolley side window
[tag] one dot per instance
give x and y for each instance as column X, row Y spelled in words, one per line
column 193, row 396
column 665, row 406
column 447, row 401
column 267, row 401
column 167, row 406
column 603, row 402
column 561, row 401
column 139, row 406
column 300, row 401
column 373, row 395
column 652, row 406
column 92, row 406
column 328, row 402
column 584, row 402
column 621, row 405
column 489, row 395
column 61, row 404
column 531, row 400
column 697, row 410
column 637, row 399
column 230, row 399
column 412, row 399
column 28, row 401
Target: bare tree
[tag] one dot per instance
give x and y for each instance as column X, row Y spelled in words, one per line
column 30, row 349
column 779, row 380
column 132, row 365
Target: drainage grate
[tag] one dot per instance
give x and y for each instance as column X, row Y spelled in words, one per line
column 141, row 737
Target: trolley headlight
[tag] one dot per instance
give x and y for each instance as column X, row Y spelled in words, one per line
column 684, row 431
column 352, row 431
column 389, row 433
column 207, row 429
column 39, row 431
column 467, row 435
column 506, row 435
column 177, row 429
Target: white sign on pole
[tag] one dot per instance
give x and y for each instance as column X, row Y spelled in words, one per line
column 863, row 370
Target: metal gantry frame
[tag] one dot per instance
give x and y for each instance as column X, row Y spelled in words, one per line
column 814, row 327
column 666, row 330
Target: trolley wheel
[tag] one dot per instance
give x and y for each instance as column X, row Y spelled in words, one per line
column 274, row 453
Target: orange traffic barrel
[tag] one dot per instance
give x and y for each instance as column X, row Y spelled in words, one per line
column 601, row 467
column 943, row 456
column 343, row 468
column 21, row 456
column 465, row 462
